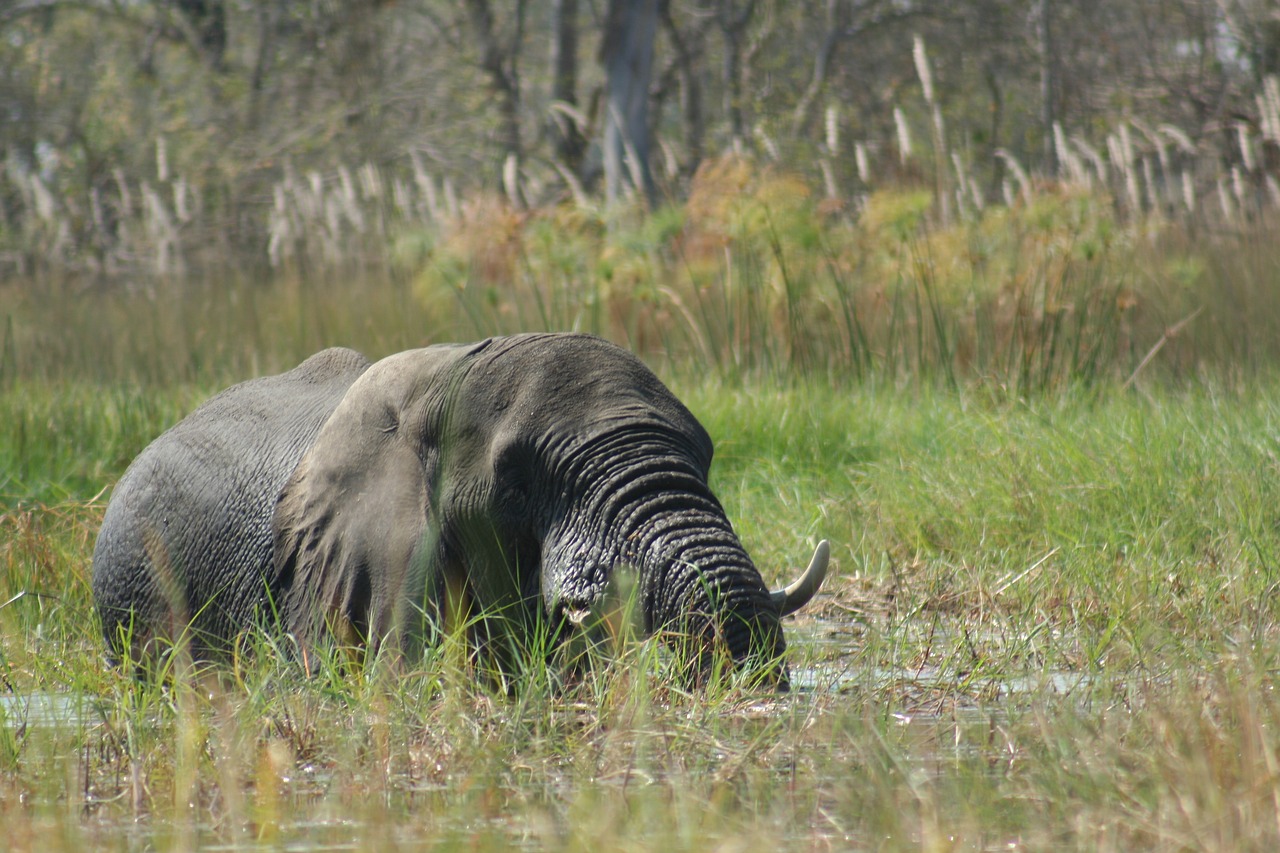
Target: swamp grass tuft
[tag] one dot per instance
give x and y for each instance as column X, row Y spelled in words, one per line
column 1050, row 623
column 1042, row 444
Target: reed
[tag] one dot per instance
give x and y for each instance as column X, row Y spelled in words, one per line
column 1051, row 621
column 749, row 278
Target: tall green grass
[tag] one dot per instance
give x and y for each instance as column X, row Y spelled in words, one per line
column 1052, row 620
column 1051, row 623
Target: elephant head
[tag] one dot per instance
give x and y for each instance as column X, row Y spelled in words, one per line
column 518, row 473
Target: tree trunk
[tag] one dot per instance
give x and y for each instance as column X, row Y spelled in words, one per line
column 207, row 20
column 837, row 22
column 1044, row 36
column 500, row 62
column 733, row 23
column 626, row 52
column 567, row 140
column 686, row 48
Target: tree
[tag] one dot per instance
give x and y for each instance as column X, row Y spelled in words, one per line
column 733, row 21
column 500, row 59
column 567, row 140
column 1048, row 58
column 626, row 51
column 683, row 69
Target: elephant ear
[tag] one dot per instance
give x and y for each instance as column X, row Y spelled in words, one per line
column 348, row 531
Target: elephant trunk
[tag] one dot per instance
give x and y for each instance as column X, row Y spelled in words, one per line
column 707, row 591
column 657, row 517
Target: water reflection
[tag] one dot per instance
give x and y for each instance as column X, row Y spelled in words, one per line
column 824, row 661
column 45, row 710
column 822, row 677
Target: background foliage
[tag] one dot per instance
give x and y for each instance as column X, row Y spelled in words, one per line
column 210, row 136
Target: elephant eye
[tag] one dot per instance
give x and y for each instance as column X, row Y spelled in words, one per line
column 511, row 472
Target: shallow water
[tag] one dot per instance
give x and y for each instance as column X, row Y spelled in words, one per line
column 831, row 667
column 46, row 710
column 314, row 815
column 824, row 678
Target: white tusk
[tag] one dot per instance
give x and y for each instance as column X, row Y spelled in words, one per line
column 797, row 595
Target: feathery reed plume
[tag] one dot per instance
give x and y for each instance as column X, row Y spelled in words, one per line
column 1162, row 156
column 1128, row 158
column 511, row 180
column 580, row 197
column 310, row 199
column 401, row 198
column 1238, row 189
column 1179, row 136
column 162, row 159
column 1020, row 174
column 862, row 162
column 1076, row 171
column 962, row 181
column 45, row 205
column 978, row 196
column 1094, row 157
column 122, row 187
column 1269, row 107
column 670, row 160
column 767, row 142
column 1246, row 146
column 925, row 73
column 182, row 199
column 1152, row 183
column 1224, row 201
column 904, row 135
column 370, row 181
column 828, row 177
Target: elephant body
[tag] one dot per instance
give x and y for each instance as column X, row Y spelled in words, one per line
column 506, row 481
column 185, row 545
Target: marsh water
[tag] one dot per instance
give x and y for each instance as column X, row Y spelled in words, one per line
column 831, row 667
column 47, row 710
column 316, row 811
column 828, row 669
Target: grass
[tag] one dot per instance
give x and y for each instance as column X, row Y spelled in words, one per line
column 1052, row 621
column 1052, row 624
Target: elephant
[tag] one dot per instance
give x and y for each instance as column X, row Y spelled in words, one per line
column 184, row 551
column 504, row 484
column 522, row 471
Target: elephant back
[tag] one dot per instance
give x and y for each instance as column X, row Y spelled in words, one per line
column 185, row 545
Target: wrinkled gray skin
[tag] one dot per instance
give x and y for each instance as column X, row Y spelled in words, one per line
column 185, row 546
column 522, row 470
column 510, row 478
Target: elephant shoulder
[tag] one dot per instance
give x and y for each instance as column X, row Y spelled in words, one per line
column 330, row 364
column 326, row 374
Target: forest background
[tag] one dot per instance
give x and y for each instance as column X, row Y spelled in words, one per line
column 206, row 137
column 1017, row 191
